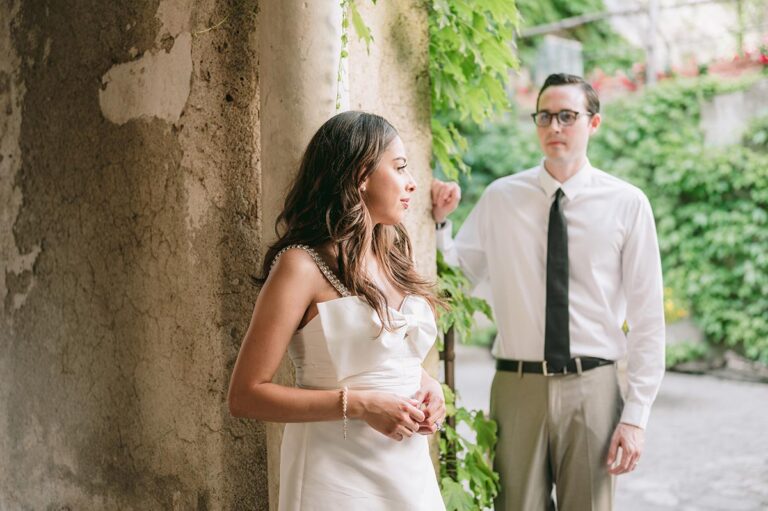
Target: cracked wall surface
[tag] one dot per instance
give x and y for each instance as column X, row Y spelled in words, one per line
column 129, row 232
column 134, row 212
column 17, row 279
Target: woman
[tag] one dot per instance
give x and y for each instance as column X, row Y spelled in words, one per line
column 342, row 296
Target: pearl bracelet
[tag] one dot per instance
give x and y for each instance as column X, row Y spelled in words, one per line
column 344, row 395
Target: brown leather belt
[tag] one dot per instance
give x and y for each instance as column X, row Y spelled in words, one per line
column 575, row 365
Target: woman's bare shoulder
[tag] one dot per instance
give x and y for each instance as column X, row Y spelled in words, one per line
column 296, row 263
column 296, row 271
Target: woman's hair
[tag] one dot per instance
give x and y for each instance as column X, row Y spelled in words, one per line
column 325, row 206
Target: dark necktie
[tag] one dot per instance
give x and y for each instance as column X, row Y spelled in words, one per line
column 557, row 340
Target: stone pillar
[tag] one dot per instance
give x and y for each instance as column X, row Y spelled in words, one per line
column 391, row 78
column 129, row 173
column 298, row 68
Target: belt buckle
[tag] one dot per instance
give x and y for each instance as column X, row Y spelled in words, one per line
column 545, row 370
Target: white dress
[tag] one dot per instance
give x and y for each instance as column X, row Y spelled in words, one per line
column 367, row 471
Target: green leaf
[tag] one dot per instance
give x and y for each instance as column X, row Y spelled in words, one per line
column 363, row 32
column 469, row 70
column 454, row 496
column 485, row 430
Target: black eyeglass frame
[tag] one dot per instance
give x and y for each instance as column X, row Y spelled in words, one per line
column 552, row 115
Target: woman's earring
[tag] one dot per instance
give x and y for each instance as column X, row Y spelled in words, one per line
column 362, row 189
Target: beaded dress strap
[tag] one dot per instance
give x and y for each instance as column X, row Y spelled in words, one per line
column 327, row 272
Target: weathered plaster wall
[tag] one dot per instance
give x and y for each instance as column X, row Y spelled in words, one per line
column 298, row 68
column 391, row 78
column 133, row 213
column 129, row 231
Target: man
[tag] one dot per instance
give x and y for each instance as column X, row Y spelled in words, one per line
column 569, row 253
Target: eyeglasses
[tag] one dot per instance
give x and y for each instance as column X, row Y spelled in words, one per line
column 543, row 118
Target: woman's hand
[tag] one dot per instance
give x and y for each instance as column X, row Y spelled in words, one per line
column 394, row 416
column 432, row 401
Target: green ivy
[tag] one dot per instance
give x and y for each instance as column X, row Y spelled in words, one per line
column 714, row 227
column 756, row 137
column 465, row 461
column 467, row 479
column 362, row 30
column 470, row 58
column 454, row 287
column 711, row 205
column 349, row 9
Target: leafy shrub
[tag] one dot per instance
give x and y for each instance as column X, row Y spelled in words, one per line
column 467, row 461
column 680, row 353
column 756, row 137
column 711, row 206
column 715, row 242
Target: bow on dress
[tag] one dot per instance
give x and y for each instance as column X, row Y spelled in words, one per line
column 351, row 328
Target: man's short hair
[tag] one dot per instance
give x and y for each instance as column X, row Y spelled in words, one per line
column 593, row 102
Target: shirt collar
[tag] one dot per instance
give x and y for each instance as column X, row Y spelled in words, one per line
column 572, row 187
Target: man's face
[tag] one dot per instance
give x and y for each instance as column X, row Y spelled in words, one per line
column 566, row 144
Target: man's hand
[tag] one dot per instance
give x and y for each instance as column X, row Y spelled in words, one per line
column 445, row 198
column 630, row 440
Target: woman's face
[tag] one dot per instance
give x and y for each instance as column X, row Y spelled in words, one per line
column 387, row 190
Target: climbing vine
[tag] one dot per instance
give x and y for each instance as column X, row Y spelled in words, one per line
column 467, row 479
column 470, row 58
column 349, row 10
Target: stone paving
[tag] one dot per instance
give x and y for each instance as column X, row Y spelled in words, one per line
column 706, row 445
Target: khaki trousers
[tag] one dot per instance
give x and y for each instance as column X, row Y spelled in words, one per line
column 555, row 431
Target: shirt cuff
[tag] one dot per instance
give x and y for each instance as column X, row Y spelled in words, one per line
column 443, row 235
column 636, row 414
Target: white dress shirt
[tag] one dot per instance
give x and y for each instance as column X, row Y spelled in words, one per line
column 614, row 271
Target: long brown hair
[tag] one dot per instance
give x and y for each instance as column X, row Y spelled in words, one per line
column 325, row 206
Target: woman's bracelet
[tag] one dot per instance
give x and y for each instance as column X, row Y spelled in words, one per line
column 344, row 395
